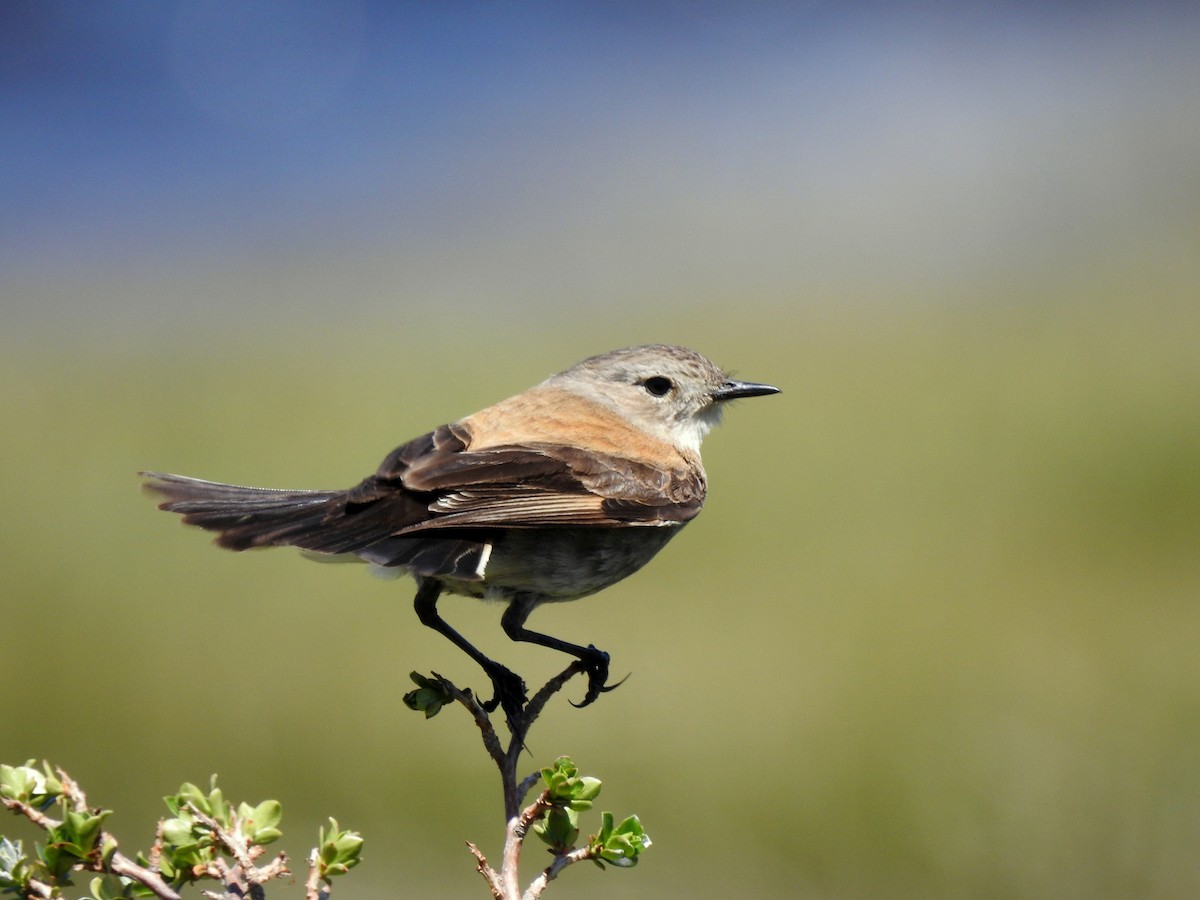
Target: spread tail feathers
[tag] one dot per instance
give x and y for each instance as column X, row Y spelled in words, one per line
column 323, row 522
column 258, row 517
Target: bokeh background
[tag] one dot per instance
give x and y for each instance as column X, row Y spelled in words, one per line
column 935, row 634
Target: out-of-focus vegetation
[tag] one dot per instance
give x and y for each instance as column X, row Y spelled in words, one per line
column 934, row 635
column 202, row 838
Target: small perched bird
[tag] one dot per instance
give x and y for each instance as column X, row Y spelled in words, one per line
column 550, row 495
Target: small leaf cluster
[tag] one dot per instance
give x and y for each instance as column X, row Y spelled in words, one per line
column 429, row 697
column 569, row 794
column 202, row 833
column 14, row 868
column 337, row 851
column 191, row 845
column 76, row 838
column 38, row 788
column 621, row 844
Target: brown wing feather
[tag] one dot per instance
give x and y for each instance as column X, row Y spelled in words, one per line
column 453, row 478
column 557, row 486
column 539, row 484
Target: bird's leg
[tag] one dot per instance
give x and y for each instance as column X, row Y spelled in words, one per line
column 595, row 662
column 508, row 687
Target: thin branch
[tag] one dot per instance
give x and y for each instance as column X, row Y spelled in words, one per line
column 72, row 791
column 156, row 849
column 123, row 865
column 245, row 877
column 276, row 868
column 513, row 795
column 531, row 814
column 533, row 708
column 506, row 759
column 514, row 840
column 491, row 741
column 505, row 884
column 313, row 889
column 551, row 871
column 489, row 874
column 527, row 785
column 37, row 817
column 233, row 843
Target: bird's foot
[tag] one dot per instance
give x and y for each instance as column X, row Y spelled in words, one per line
column 596, row 666
column 508, row 691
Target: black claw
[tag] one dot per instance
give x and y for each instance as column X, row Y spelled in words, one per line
column 613, row 687
column 508, row 691
column 596, row 666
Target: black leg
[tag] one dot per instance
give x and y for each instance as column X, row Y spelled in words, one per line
column 508, row 686
column 595, row 661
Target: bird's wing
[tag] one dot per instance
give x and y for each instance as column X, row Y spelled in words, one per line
column 524, row 486
column 437, row 482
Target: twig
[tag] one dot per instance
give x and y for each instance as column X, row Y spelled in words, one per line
column 527, row 785
column 312, row 887
column 37, row 817
column 533, row 708
column 123, row 865
column 489, row 874
column 551, row 871
column 514, row 840
column 245, row 877
column 491, row 741
column 506, row 759
column 156, row 848
column 72, row 791
column 505, row 884
column 237, row 848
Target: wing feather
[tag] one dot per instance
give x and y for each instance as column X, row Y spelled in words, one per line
column 437, row 482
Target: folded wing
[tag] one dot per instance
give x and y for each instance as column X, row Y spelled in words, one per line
column 434, row 504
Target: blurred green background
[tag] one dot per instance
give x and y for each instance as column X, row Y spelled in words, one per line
column 935, row 634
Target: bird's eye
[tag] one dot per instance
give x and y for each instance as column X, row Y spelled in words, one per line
column 658, row 385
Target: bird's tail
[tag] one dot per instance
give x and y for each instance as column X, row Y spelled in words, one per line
column 248, row 517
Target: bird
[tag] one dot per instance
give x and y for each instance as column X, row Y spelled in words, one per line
column 548, row 496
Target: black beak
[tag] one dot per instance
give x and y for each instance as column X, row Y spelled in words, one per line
column 732, row 390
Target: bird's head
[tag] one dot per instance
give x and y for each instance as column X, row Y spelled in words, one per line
column 671, row 392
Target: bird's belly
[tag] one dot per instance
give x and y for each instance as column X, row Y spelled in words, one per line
column 567, row 563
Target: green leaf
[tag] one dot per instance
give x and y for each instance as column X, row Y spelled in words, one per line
column 110, row 887
column 620, row 845
column 83, row 828
column 57, row 856
column 14, row 866
column 178, row 831
column 589, row 788
column 267, row 814
column 53, row 788
column 190, row 793
column 267, row 835
column 11, row 853
column 559, row 775
column 565, row 784
column 258, row 823
column 216, row 805
column 606, row 826
column 26, row 784
column 337, row 851
column 429, row 697
column 559, row 828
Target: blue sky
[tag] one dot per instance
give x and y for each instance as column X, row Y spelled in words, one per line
column 620, row 149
